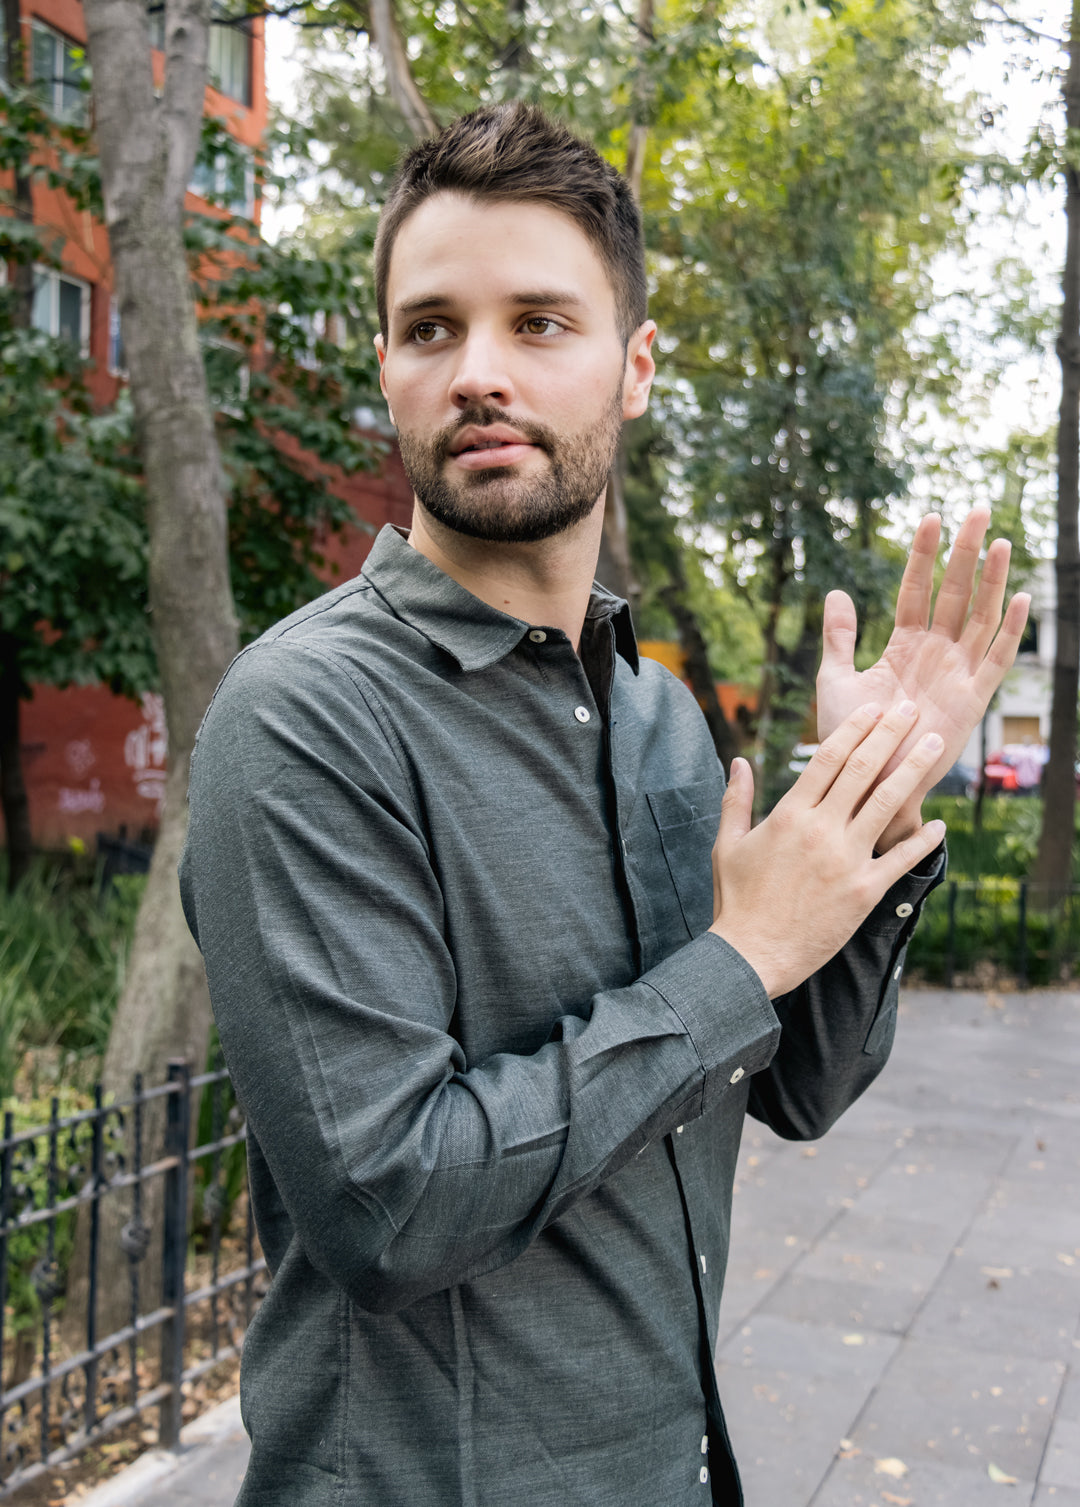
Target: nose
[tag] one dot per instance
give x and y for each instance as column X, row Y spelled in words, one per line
column 482, row 372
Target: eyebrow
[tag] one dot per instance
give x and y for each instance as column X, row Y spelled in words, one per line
column 561, row 298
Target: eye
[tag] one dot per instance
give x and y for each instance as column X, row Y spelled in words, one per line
column 540, row 324
column 427, row 333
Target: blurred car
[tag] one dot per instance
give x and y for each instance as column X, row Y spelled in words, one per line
column 959, row 780
column 801, row 755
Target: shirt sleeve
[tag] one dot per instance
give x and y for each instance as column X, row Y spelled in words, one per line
column 837, row 1027
column 309, row 885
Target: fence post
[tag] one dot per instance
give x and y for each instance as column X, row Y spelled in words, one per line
column 950, row 939
column 1022, row 938
column 174, row 1251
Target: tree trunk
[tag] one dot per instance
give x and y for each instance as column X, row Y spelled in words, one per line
column 515, row 57
column 147, row 153
column 1053, row 862
column 386, row 34
column 147, row 148
column 614, row 568
column 698, row 670
column 13, row 798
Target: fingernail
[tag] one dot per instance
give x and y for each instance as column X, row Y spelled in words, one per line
column 933, row 743
column 908, row 708
column 872, row 709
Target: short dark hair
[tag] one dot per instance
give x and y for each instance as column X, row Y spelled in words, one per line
column 516, row 153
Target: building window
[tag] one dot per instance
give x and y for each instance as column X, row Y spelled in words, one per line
column 1029, row 643
column 62, row 307
column 117, row 356
column 228, row 66
column 229, row 63
column 58, row 69
column 227, row 178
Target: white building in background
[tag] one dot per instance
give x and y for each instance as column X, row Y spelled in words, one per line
column 1021, row 711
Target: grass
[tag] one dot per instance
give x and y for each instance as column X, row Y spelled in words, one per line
column 63, row 952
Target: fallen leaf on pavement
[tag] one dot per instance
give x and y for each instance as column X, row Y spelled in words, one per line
column 890, row 1466
column 890, row 1496
column 998, row 1476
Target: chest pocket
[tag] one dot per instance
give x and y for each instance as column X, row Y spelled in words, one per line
column 687, row 818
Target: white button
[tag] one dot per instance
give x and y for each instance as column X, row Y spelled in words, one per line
column 898, row 971
column 737, row 1074
column 703, row 1475
column 679, row 1129
column 582, row 714
column 905, row 909
column 704, row 1444
column 704, row 1268
column 538, row 636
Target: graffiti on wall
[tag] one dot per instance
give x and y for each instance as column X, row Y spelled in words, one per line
column 146, row 750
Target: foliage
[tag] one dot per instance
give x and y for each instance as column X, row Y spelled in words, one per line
column 802, row 172
column 73, row 545
column 63, row 950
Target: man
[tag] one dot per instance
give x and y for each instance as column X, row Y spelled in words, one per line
column 494, row 1019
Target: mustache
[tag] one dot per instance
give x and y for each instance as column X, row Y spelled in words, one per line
column 482, row 416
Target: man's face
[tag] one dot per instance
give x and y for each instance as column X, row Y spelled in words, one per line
column 503, row 367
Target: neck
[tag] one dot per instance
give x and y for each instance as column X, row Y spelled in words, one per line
column 544, row 583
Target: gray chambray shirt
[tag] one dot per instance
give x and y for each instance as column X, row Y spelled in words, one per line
column 452, row 886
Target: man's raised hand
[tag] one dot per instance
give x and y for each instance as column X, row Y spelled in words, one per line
column 788, row 893
column 949, row 666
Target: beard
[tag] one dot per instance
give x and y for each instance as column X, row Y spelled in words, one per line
column 496, row 504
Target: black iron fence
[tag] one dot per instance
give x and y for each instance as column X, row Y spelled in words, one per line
column 91, row 1224
column 995, row 930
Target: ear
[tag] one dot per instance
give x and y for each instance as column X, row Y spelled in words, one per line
column 640, row 370
column 380, row 351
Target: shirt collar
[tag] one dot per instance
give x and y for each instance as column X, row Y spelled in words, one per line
column 475, row 634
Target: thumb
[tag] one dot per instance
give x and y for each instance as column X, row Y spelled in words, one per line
column 737, row 811
column 839, row 632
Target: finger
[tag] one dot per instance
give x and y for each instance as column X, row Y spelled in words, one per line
column 917, row 583
column 864, row 764
column 902, row 858
column 954, row 593
column 738, row 805
column 1002, row 651
column 986, row 612
column 883, row 802
column 839, row 629
column 831, row 756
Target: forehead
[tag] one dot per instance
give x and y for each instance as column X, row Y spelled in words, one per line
column 454, row 246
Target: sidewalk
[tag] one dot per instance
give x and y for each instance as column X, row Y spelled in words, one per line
column 901, row 1325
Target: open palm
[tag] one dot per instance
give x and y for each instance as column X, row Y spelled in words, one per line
column 949, row 666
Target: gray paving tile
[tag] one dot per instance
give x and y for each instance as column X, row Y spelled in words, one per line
column 1054, row 1496
column 790, row 1391
column 963, row 1407
column 848, row 1303
column 855, row 1482
column 1004, row 1235
column 1068, row 1405
column 1062, row 1464
column 926, row 1190
column 879, row 1247
column 1002, row 1309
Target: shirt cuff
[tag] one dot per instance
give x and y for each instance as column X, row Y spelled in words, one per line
column 723, row 1007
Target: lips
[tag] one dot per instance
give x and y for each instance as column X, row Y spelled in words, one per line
column 477, row 439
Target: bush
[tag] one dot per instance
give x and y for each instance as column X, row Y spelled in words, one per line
column 64, row 947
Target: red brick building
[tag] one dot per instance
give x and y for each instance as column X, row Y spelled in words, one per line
column 95, row 762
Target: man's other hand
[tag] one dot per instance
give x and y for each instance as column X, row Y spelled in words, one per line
column 949, row 666
column 788, row 893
